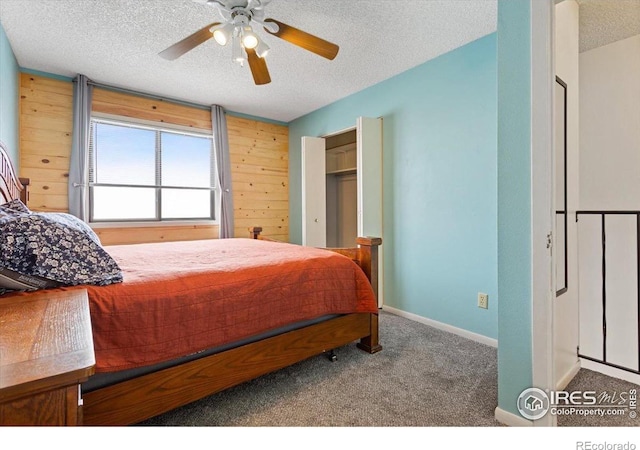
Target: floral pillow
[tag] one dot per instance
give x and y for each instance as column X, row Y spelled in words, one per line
column 41, row 250
column 13, row 207
column 71, row 221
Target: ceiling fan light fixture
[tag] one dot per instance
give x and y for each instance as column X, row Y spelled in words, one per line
column 222, row 33
column 237, row 53
column 249, row 38
column 262, row 49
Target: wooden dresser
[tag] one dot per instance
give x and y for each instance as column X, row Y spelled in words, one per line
column 46, row 351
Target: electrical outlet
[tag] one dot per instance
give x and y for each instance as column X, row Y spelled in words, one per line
column 483, row 300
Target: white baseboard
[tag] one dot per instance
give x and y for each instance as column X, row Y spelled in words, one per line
column 610, row 371
column 510, row 419
column 566, row 379
column 443, row 326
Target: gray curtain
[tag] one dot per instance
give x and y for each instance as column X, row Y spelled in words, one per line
column 221, row 148
column 79, row 165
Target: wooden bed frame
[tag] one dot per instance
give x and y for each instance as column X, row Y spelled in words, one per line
column 134, row 400
column 11, row 187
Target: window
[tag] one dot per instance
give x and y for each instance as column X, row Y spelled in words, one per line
column 147, row 173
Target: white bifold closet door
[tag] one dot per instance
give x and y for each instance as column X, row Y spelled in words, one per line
column 314, row 192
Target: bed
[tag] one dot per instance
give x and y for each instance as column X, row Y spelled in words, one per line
column 189, row 319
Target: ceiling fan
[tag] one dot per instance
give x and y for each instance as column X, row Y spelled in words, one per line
column 238, row 16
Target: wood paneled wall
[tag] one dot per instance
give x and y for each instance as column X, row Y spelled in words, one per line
column 260, row 175
column 46, row 115
column 259, row 158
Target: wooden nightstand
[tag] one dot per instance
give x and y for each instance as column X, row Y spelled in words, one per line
column 46, row 351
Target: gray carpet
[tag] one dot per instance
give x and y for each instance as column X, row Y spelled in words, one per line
column 423, row 377
column 588, row 380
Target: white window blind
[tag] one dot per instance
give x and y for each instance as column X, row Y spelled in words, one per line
column 149, row 173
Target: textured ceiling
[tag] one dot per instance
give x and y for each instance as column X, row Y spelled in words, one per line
column 605, row 21
column 117, row 42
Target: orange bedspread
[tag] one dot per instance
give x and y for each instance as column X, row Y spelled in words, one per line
column 178, row 298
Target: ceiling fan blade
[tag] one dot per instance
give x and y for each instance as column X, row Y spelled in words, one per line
column 258, row 67
column 189, row 43
column 303, row 39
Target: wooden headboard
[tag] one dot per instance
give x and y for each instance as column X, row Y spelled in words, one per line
column 11, row 187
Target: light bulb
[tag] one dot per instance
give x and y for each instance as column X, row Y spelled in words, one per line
column 220, row 37
column 249, row 38
column 262, row 49
column 222, row 33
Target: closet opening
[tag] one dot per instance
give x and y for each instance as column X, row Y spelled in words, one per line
column 342, row 188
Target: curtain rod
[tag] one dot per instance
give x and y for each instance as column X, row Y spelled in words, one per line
column 178, row 102
column 151, row 96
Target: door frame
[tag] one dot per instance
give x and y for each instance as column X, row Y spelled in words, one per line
column 335, row 133
column 542, row 196
column 359, row 199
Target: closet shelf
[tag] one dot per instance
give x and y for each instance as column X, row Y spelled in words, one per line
column 342, row 171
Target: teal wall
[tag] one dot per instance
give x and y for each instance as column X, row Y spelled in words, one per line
column 440, row 182
column 514, row 202
column 9, row 88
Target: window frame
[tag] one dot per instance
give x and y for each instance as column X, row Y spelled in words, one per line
column 158, row 128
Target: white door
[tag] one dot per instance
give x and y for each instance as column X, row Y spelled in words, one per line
column 314, row 192
column 369, row 162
